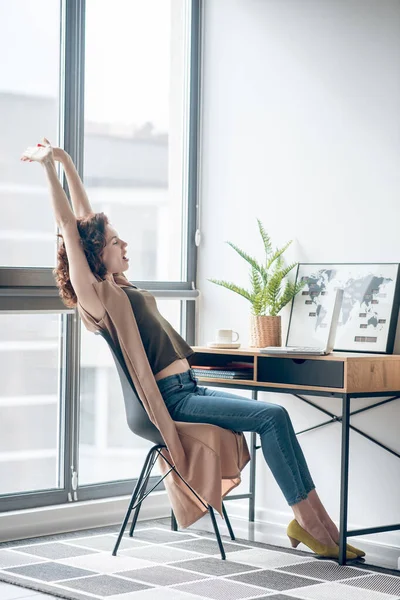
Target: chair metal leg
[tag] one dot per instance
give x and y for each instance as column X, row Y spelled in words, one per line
column 217, row 534
column 174, row 524
column 142, row 492
column 228, row 523
column 210, row 509
column 133, row 498
column 183, row 481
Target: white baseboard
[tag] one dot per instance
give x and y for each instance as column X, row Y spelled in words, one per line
column 62, row 518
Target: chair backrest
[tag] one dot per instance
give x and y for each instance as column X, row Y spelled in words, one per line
column 136, row 416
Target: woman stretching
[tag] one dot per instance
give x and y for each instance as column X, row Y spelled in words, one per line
column 92, row 251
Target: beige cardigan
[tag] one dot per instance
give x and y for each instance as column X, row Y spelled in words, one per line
column 208, row 457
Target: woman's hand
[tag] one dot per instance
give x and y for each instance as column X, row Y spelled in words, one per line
column 60, row 155
column 42, row 153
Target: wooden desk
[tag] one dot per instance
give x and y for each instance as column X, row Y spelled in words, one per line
column 339, row 375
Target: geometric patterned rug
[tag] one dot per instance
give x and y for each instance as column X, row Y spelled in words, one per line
column 159, row 564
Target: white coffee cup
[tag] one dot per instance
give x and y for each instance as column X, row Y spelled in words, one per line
column 226, row 336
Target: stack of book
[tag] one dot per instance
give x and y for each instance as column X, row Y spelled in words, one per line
column 229, row 371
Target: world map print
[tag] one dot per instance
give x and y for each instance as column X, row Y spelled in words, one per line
column 365, row 316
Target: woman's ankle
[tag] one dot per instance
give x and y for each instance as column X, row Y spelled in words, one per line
column 310, row 522
column 333, row 530
column 322, row 513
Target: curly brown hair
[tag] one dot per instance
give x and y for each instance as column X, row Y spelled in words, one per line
column 92, row 231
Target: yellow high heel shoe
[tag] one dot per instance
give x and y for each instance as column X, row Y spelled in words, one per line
column 357, row 551
column 297, row 534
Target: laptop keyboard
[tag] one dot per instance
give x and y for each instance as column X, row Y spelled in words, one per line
column 305, row 348
column 292, row 349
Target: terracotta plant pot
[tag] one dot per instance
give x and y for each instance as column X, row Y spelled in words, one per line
column 265, row 331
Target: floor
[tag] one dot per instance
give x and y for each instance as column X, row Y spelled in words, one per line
column 270, row 534
column 254, row 532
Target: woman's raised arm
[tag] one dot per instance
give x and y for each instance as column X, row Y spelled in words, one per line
column 79, row 197
column 80, row 273
column 43, row 154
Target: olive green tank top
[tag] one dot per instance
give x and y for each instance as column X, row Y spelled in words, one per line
column 163, row 345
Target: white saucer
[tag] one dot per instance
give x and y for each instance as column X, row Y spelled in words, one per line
column 226, row 345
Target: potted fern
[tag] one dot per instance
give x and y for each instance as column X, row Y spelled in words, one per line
column 268, row 294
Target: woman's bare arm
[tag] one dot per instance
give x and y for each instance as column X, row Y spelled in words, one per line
column 79, row 198
column 81, row 276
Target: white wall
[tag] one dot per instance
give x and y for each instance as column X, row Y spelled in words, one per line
column 300, row 127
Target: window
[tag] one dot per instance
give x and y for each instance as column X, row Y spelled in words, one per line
column 136, row 130
column 29, row 105
column 138, row 110
column 29, row 403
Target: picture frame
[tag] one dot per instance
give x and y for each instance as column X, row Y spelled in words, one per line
column 370, row 308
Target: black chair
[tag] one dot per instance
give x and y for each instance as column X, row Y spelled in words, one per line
column 140, row 424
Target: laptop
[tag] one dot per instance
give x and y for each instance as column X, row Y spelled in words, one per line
column 313, row 350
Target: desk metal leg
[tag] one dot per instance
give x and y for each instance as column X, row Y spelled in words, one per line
column 253, row 454
column 344, row 478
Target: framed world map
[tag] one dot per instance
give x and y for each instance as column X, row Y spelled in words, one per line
column 370, row 308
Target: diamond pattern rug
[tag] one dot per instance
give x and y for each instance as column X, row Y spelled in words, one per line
column 159, row 564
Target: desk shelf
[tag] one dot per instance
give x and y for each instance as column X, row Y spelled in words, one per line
column 220, row 359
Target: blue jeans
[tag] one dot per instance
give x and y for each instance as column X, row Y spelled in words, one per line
column 186, row 401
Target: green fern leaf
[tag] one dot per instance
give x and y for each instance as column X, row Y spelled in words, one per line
column 266, row 239
column 233, row 288
column 277, row 254
column 257, row 303
column 256, row 281
column 286, row 296
column 285, row 271
column 264, row 301
column 252, row 261
column 290, row 291
column 273, row 292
